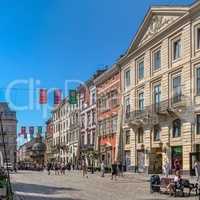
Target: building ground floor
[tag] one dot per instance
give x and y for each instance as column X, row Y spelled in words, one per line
column 107, row 149
column 173, row 141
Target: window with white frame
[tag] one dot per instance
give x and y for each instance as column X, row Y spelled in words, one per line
column 197, row 37
column 176, row 85
column 156, row 59
column 141, row 101
column 157, row 97
column 198, row 81
column 140, row 67
column 176, row 45
column 127, row 106
column 127, row 78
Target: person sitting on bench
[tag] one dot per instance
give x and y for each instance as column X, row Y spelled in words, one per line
column 176, row 184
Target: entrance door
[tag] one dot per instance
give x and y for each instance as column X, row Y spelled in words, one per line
column 141, row 161
column 155, row 163
column 193, row 157
column 128, row 160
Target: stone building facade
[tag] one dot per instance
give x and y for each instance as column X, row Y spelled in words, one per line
column 61, row 131
column 108, row 105
column 160, row 86
column 49, row 141
column 9, row 122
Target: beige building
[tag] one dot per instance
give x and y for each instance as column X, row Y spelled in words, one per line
column 161, row 90
column 61, row 123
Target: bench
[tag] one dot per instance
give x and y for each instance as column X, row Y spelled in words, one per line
column 165, row 181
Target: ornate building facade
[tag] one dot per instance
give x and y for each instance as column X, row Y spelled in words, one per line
column 160, row 86
column 108, row 105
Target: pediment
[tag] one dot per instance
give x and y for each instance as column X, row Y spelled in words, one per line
column 156, row 20
column 157, row 24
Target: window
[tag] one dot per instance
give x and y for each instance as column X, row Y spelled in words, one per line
column 141, row 101
column 82, row 140
column 198, row 124
column 127, row 107
column 157, row 96
column 176, row 49
column 176, row 89
column 197, row 37
column 114, row 124
column 93, row 98
column 198, row 81
column 156, row 133
column 127, row 78
column 140, row 135
column 88, row 139
column 157, row 59
column 176, row 128
column 141, row 70
column 127, row 136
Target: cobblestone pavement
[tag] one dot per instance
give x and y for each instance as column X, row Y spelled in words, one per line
column 39, row 186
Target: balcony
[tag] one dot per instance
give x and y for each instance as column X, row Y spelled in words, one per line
column 87, row 147
column 155, row 113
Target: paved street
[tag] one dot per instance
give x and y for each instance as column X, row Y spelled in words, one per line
column 72, row 186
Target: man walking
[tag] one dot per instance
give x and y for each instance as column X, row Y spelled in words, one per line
column 102, row 169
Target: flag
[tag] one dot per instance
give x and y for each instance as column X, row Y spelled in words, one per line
column 40, row 130
column 72, row 97
column 57, row 96
column 43, row 96
column 31, row 132
column 23, row 130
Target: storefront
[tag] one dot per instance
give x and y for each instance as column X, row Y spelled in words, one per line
column 107, row 149
column 155, row 161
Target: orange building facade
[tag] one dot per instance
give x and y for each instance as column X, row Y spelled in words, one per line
column 108, row 104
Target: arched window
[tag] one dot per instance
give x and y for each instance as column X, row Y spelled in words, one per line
column 177, row 128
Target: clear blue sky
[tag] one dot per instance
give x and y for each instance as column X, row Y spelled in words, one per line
column 55, row 40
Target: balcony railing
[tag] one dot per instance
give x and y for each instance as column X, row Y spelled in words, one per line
column 152, row 113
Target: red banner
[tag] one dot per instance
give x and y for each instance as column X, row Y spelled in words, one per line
column 57, row 96
column 23, row 130
column 43, row 96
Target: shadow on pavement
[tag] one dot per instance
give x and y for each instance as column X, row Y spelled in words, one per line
column 24, row 197
column 39, row 189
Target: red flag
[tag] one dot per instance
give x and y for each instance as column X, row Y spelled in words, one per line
column 57, row 96
column 23, row 130
column 43, row 96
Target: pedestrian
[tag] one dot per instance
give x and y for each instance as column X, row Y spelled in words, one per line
column 84, row 168
column 102, row 169
column 166, row 169
column 56, row 168
column 197, row 169
column 49, row 168
column 120, row 169
column 114, row 170
column 62, row 168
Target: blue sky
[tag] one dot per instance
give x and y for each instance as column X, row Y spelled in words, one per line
column 58, row 40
